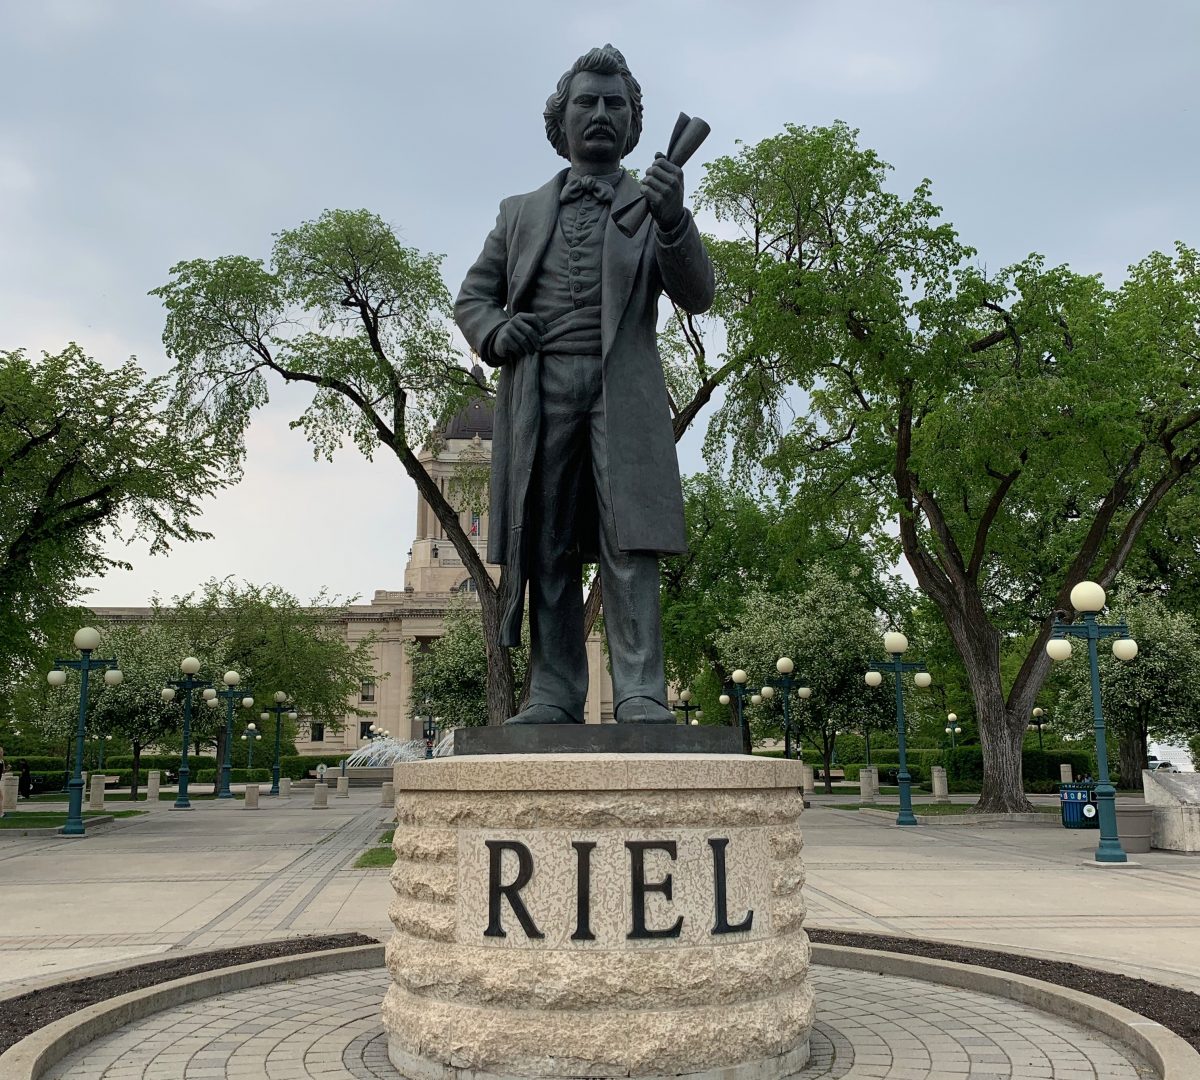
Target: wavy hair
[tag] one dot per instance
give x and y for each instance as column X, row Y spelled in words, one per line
column 604, row 61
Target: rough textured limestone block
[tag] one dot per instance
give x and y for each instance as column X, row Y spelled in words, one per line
column 1065, row 775
column 577, row 992
column 285, row 787
column 9, row 790
column 941, row 788
column 387, row 796
column 808, row 779
column 251, row 802
column 343, row 787
column 153, row 780
column 867, row 784
column 320, row 796
column 96, row 792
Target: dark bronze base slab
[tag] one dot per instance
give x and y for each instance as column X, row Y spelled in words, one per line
column 598, row 739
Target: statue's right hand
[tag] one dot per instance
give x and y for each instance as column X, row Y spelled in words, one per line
column 520, row 336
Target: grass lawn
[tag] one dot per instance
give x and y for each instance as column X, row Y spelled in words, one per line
column 375, row 858
column 386, row 838
column 929, row 808
column 48, row 819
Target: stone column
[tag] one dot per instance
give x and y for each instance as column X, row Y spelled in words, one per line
column 866, row 785
column 600, row 915
column 1065, row 774
column 285, row 787
column 153, row 779
column 251, row 802
column 96, row 792
column 941, row 789
column 387, row 796
column 320, row 796
column 343, row 787
column 810, row 784
column 9, row 790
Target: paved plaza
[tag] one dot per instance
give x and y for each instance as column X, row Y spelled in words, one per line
column 867, row 1025
column 221, row 876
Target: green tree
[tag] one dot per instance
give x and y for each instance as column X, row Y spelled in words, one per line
column 1023, row 425
column 831, row 634
column 1155, row 696
column 86, row 454
column 450, row 673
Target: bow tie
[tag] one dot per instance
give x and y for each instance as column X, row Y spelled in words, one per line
column 579, row 186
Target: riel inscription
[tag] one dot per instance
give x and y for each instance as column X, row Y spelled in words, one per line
column 609, row 888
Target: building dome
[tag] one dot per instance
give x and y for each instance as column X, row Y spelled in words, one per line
column 475, row 419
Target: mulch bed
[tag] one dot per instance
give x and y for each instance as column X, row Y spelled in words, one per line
column 21, row 1016
column 1177, row 1010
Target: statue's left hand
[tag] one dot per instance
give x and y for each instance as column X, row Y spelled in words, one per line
column 663, row 188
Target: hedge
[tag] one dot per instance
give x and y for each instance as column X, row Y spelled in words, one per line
column 236, row 776
column 161, row 762
column 966, row 764
column 36, row 764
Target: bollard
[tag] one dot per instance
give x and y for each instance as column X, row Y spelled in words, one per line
column 809, row 780
column 96, row 792
column 251, row 802
column 8, row 792
column 866, row 785
column 285, row 787
column 343, row 787
column 941, row 789
column 320, row 796
column 1065, row 775
column 153, row 779
column 387, row 797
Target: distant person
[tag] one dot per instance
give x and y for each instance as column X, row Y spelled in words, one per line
column 25, row 783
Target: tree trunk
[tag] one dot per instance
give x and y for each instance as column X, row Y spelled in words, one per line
column 499, row 662
column 1133, row 758
column 828, row 741
column 220, row 759
column 137, row 764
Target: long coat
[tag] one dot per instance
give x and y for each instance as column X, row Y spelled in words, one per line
column 643, row 468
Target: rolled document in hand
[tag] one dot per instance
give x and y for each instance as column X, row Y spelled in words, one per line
column 689, row 133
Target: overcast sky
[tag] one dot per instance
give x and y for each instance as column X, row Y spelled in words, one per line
column 136, row 134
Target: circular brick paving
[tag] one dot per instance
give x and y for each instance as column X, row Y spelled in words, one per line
column 327, row 1027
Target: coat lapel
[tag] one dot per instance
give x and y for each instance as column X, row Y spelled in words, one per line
column 622, row 254
column 539, row 215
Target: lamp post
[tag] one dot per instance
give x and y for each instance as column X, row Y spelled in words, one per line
column 100, row 741
column 952, row 728
column 1088, row 598
column 740, row 679
column 280, row 707
column 896, row 645
column 189, row 665
column 1038, row 714
column 87, row 639
column 230, row 693
column 685, row 706
column 251, row 736
column 430, row 731
column 786, row 682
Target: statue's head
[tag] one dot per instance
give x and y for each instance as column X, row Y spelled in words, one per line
column 596, row 113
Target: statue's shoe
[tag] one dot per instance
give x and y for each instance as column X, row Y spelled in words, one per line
column 537, row 713
column 642, row 710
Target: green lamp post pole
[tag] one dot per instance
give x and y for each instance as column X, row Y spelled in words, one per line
column 1038, row 721
column 1088, row 599
column 280, row 707
column 738, row 688
column 952, row 729
column 87, row 640
column 787, row 683
column 250, row 736
column 101, row 740
column 685, row 706
column 189, row 665
column 229, row 694
column 895, row 645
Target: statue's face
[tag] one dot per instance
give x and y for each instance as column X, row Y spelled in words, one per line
column 597, row 119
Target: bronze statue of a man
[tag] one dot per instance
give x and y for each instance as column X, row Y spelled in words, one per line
column 583, row 453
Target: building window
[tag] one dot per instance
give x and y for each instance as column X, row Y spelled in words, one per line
column 468, row 586
column 364, row 729
column 316, row 732
column 367, row 692
column 474, row 523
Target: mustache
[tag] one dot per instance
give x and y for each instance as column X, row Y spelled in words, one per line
column 598, row 128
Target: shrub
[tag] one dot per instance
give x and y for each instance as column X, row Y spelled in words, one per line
column 236, row 776
column 966, row 765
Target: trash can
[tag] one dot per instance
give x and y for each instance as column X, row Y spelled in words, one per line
column 1135, row 821
column 1078, row 803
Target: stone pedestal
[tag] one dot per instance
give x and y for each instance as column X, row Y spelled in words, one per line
column 941, row 789
column 1175, row 802
column 9, row 790
column 343, row 787
column 1065, row 775
column 387, row 795
column 320, row 795
column 598, row 915
column 96, row 792
column 153, row 779
column 251, row 801
column 808, row 779
column 285, row 787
